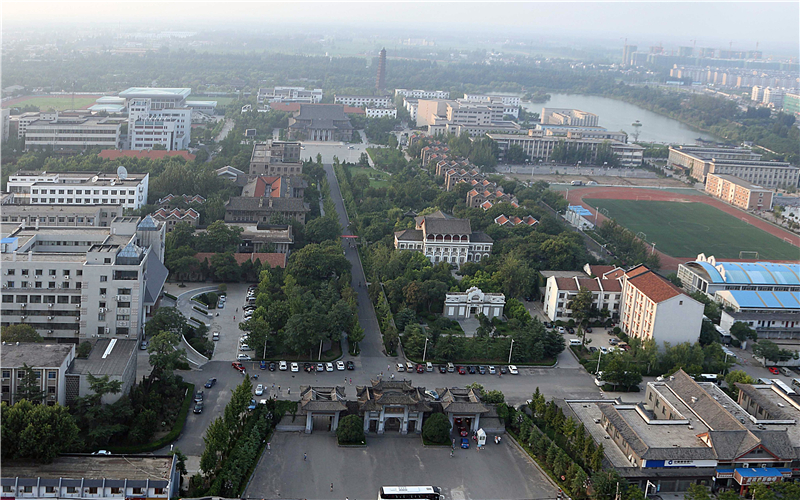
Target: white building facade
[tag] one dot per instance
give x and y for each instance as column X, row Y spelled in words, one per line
column 79, row 188
column 423, row 94
column 381, row 112
column 158, row 116
column 560, row 292
column 469, row 304
column 80, row 132
column 364, row 100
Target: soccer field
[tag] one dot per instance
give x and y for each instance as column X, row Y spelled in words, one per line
column 687, row 229
column 57, row 103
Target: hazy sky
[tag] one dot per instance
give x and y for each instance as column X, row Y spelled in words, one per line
column 710, row 23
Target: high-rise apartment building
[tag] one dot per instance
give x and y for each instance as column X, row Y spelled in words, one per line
column 158, row 116
column 565, row 116
column 627, row 54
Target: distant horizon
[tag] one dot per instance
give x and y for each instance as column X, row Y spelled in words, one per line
column 774, row 29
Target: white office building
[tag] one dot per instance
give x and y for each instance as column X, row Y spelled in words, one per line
column 381, row 112
column 77, row 283
column 364, row 100
column 79, row 188
column 73, row 132
column 158, row 116
column 422, row 94
column 289, row 94
column 510, row 103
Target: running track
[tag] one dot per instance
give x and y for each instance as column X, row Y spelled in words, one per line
column 669, row 262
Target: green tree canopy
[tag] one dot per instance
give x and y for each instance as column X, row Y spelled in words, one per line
column 350, row 430
column 36, row 432
column 436, row 428
column 20, row 332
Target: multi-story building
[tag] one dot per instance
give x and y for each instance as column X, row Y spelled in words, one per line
column 791, row 102
column 738, row 192
column 115, row 358
column 738, row 162
column 275, row 187
column 158, row 116
column 423, row 94
column 707, row 275
column 50, row 363
column 561, row 291
column 258, row 238
column 654, row 308
column 469, row 304
column 262, row 209
column 6, row 117
column 460, row 116
column 79, row 188
column 176, row 216
column 566, row 116
column 60, row 215
column 627, row 54
column 687, row 432
column 485, row 198
column 276, row 158
column 539, row 145
column 585, row 132
column 77, row 283
column 378, row 101
column 773, row 315
column 381, row 112
column 73, row 132
column 773, row 97
column 757, row 94
column 320, row 122
column 443, row 238
column 510, row 103
column 94, row 477
column 289, row 94
column 21, row 122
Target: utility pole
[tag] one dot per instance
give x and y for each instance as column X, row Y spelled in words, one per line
column 425, row 351
column 510, row 351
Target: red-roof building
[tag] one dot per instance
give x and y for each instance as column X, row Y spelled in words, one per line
column 560, row 292
column 149, row 154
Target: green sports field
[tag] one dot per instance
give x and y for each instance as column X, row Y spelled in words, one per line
column 683, row 229
column 57, row 103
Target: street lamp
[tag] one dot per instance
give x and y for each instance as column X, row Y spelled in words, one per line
column 600, row 355
column 425, row 351
column 510, row 351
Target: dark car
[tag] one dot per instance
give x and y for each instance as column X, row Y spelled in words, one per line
column 482, row 370
column 307, row 367
column 210, row 383
column 420, row 369
column 547, row 324
column 198, row 396
column 262, row 365
column 442, row 369
column 471, row 370
column 462, row 370
column 588, row 329
column 462, row 432
column 592, row 349
column 503, row 370
column 465, row 443
column 272, row 366
column 198, row 407
column 350, row 365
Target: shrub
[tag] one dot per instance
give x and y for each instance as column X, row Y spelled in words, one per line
column 350, row 430
column 84, row 349
column 436, row 428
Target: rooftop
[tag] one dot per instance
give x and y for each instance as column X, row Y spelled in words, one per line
column 34, row 354
column 154, row 468
column 749, row 299
column 155, row 92
column 113, row 154
column 655, row 287
column 739, row 181
column 108, row 357
column 273, row 259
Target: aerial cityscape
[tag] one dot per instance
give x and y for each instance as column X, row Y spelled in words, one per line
column 427, row 250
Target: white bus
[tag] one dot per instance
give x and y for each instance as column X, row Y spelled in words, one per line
column 410, row 492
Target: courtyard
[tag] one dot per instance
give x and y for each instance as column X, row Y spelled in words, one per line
column 498, row 471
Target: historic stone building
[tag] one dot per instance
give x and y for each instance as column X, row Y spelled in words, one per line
column 443, row 238
column 320, row 122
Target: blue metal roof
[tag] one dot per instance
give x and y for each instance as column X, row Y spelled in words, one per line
column 765, row 300
column 762, row 472
column 756, row 273
column 578, row 209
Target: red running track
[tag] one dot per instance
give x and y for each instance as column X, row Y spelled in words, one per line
column 669, row 262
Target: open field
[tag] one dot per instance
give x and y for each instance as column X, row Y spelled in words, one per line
column 377, row 179
column 59, row 103
column 685, row 229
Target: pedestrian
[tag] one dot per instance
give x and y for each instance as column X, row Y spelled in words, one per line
column 273, row 386
column 279, row 389
column 351, row 381
column 345, row 380
column 388, row 367
column 305, row 457
column 269, row 446
column 392, row 376
column 331, row 486
column 289, row 390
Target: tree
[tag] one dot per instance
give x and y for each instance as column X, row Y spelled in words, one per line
column 605, row 483
column 350, row 430
column 697, row 492
column 581, row 307
column 738, row 377
column 742, row 331
column 30, row 388
column 225, row 267
column 515, row 155
column 165, row 355
column 219, row 237
column 323, row 228
column 167, row 319
column 356, row 336
column 84, row 349
column 37, row 432
column 436, row 428
column 772, row 352
column 216, row 439
column 20, row 332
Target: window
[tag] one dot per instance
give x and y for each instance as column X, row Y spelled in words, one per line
column 37, row 272
column 105, row 278
column 72, row 489
column 6, row 373
column 12, row 272
column 52, row 272
column 10, row 284
column 63, row 299
column 123, row 317
column 76, row 299
column 66, row 272
column 159, row 491
column 7, row 489
column 51, row 375
column 27, row 489
column 137, row 491
column 123, row 304
column 102, row 291
column 93, row 490
column 49, row 489
column 115, row 490
column 8, row 298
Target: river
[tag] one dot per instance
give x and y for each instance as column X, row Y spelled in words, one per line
column 619, row 115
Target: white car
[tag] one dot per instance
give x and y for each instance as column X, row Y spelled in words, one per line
column 295, row 368
column 400, row 367
column 243, row 357
column 328, row 367
column 512, row 369
column 282, row 366
column 245, row 347
column 340, row 365
column 259, row 389
column 215, row 336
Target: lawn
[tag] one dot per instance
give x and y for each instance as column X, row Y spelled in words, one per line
column 377, row 179
column 57, row 103
column 687, row 229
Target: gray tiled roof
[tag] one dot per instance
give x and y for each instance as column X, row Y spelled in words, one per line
column 323, row 116
column 447, row 226
column 456, row 400
column 480, row 237
column 322, row 398
column 391, row 392
column 713, row 414
column 250, row 203
column 774, row 410
column 409, row 234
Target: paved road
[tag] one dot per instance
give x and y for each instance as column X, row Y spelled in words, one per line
column 225, row 129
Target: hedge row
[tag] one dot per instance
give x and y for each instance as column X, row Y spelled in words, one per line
column 200, row 310
column 170, row 296
column 180, row 421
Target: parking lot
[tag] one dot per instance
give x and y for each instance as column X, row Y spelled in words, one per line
column 498, row 471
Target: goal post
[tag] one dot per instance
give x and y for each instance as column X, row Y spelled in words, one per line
column 642, row 236
column 748, row 254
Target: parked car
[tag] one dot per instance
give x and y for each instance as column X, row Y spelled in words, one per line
column 320, row 367
column 482, row 370
column 465, row 443
column 237, row 365
column 588, row 329
column 244, row 357
column 603, row 350
column 143, row 345
column 198, row 396
column 272, row 366
column 282, row 366
column 400, row 367
column 592, row 349
column 471, row 370
column 262, row 365
column 198, row 407
column 351, row 365
column 210, row 383
column 442, row 369
column 420, row 368
column 774, row 370
column 221, row 304
column 513, row 370
column 259, row 389
column 562, row 330
column 245, row 347
column 503, row 369
column 101, row 452
column 462, row 432
column 409, row 366
column 295, row 368
column 613, row 341
column 340, row 365
column 307, row 367
column 492, row 370
column 328, row 367
column 462, row 370
column 215, row 336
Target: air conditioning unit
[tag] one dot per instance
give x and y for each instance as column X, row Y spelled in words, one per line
column 65, row 277
column 118, row 297
column 24, row 275
column 77, row 319
column 50, row 304
column 102, row 295
column 78, row 306
column 23, row 317
column 49, row 331
column 108, row 329
column 23, row 305
column 50, row 318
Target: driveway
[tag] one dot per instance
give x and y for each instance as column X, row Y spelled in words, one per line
column 497, row 472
